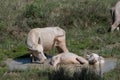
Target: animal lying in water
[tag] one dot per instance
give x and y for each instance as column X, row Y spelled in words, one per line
column 67, row 58
column 95, row 59
column 96, row 62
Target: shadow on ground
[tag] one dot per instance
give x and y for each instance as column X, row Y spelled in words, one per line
column 24, row 62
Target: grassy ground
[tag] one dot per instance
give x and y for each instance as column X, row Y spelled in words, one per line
column 86, row 23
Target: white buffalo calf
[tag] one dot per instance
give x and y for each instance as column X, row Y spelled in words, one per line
column 96, row 61
column 115, row 13
column 40, row 40
column 67, row 58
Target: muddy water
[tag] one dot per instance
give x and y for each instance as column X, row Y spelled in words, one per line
column 24, row 63
column 110, row 63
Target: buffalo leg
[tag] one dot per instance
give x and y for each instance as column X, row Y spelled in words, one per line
column 114, row 26
column 61, row 44
column 32, row 58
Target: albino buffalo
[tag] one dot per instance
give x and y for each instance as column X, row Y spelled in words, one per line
column 96, row 61
column 67, row 58
column 115, row 13
column 40, row 40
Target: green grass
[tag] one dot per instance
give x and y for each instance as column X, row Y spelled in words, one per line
column 22, row 75
column 86, row 23
column 60, row 74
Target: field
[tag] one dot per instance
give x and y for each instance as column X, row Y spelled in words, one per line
column 86, row 23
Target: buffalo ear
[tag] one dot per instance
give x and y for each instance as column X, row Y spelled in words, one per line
column 87, row 56
column 81, row 62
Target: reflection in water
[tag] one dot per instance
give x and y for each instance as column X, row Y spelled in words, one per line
column 110, row 64
column 24, row 63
